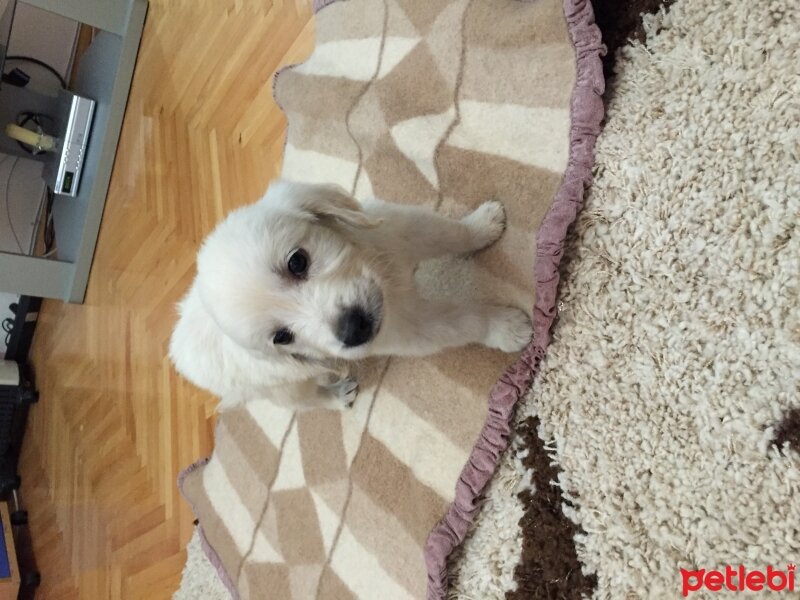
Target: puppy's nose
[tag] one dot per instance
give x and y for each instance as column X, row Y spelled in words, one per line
column 355, row 327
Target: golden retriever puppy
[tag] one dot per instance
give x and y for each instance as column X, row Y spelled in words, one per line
column 291, row 288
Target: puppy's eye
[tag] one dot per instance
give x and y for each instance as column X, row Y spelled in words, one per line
column 299, row 262
column 282, row 337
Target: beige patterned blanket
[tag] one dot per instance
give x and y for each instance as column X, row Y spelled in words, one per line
column 444, row 103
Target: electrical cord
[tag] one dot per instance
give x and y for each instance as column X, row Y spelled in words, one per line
column 49, row 225
column 8, row 327
column 42, row 64
column 8, row 322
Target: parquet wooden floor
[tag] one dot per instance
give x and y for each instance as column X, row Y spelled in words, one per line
column 115, row 424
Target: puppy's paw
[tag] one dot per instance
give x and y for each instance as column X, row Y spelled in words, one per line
column 510, row 329
column 346, row 390
column 487, row 223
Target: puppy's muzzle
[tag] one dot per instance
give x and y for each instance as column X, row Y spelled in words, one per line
column 355, row 327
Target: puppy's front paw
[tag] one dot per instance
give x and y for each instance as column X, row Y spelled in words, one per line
column 487, row 223
column 510, row 329
column 346, row 390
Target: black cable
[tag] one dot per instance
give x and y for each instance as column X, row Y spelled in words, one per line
column 8, row 322
column 49, row 224
column 8, row 327
column 42, row 64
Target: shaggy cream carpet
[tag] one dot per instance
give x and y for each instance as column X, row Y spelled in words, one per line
column 200, row 579
column 677, row 351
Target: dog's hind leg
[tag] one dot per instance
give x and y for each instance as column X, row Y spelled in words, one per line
column 420, row 233
column 423, row 327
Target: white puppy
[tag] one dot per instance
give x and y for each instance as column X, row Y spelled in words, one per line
column 292, row 287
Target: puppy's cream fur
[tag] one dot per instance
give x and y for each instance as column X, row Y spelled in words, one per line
column 360, row 255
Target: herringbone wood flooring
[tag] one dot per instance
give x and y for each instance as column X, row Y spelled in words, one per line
column 115, row 424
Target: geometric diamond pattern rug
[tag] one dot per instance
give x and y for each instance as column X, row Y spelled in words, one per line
column 442, row 103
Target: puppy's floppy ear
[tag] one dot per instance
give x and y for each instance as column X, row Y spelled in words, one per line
column 324, row 201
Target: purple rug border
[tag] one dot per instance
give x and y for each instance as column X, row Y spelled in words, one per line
column 209, row 551
column 586, row 112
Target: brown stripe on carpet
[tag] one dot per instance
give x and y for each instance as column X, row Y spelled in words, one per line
column 472, row 177
column 788, row 431
column 388, row 540
column 515, row 24
column 406, row 185
column 251, row 441
column 330, row 586
column 447, row 372
column 322, row 446
column 435, row 97
column 380, row 475
column 302, row 92
column 236, row 462
column 330, row 139
column 351, row 22
column 621, row 21
column 303, row 580
column 495, row 75
column 298, row 527
column 266, row 580
column 549, row 567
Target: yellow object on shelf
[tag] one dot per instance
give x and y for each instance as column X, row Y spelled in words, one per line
column 32, row 138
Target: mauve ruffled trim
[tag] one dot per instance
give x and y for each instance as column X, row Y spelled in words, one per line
column 212, row 555
column 586, row 114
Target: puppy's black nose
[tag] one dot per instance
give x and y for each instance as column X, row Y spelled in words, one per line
column 355, row 327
